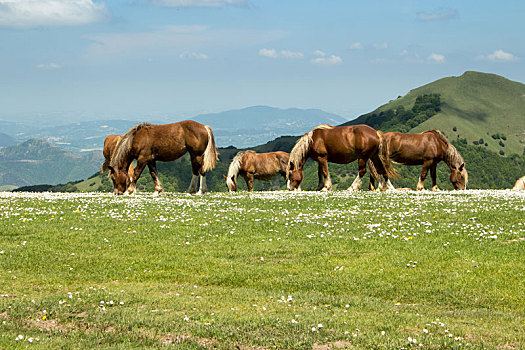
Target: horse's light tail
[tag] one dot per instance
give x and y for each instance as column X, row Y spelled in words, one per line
column 372, row 169
column 210, row 154
column 384, row 156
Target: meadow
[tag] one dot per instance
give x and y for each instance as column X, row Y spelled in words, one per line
column 264, row 270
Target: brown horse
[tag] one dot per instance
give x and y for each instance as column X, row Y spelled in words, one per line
column 341, row 145
column 427, row 149
column 110, row 143
column 520, row 184
column 148, row 143
column 260, row 166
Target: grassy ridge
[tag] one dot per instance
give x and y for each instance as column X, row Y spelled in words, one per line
column 284, row 270
column 477, row 104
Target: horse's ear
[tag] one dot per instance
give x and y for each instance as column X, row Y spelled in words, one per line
column 461, row 167
column 224, row 176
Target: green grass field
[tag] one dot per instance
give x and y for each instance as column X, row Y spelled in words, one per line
column 271, row 270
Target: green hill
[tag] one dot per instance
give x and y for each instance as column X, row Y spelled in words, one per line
column 473, row 106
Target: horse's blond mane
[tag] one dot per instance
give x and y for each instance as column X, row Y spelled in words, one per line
column 452, row 155
column 124, row 145
column 302, row 146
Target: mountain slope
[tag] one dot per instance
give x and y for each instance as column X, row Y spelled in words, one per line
column 6, row 140
column 478, row 105
column 36, row 161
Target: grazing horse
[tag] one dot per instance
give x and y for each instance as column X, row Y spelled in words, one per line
column 148, row 143
column 520, row 184
column 110, row 143
column 427, row 149
column 260, row 166
column 341, row 145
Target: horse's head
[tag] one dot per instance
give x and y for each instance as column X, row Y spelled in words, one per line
column 459, row 177
column 231, row 183
column 120, row 179
column 294, row 177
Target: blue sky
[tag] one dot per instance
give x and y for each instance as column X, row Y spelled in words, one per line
column 173, row 59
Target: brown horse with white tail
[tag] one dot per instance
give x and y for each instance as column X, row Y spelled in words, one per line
column 341, row 145
column 427, row 149
column 260, row 166
column 149, row 143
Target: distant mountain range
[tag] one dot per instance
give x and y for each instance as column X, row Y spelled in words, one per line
column 469, row 109
column 241, row 128
column 252, row 126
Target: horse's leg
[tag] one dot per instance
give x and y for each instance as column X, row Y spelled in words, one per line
column 433, row 177
column 320, row 175
column 249, row 181
column 323, row 170
column 371, row 184
column 356, row 185
column 196, row 168
column 193, row 184
column 152, row 166
column 423, row 176
column 141, row 164
column 203, row 188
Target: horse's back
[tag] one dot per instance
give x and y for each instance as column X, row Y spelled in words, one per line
column 344, row 144
column 414, row 149
column 264, row 166
column 170, row 141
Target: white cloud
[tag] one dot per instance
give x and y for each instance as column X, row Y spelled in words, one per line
column 171, row 40
column 437, row 58
column 193, row 55
column 42, row 13
column 198, row 3
column 438, row 15
column 411, row 57
column 357, row 46
column 499, row 56
column 48, row 66
column 380, row 46
column 323, row 58
column 271, row 53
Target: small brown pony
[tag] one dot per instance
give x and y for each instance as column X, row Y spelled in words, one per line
column 427, row 149
column 148, row 143
column 110, row 143
column 341, row 145
column 520, row 184
column 259, row 166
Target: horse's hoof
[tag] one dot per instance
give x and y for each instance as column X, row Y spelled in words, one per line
column 200, row 193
